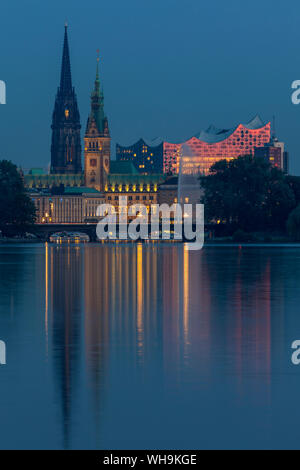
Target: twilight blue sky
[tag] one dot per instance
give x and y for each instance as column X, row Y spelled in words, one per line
column 169, row 68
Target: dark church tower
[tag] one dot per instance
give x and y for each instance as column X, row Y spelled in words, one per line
column 66, row 146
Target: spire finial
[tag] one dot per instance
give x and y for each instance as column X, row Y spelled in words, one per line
column 97, row 67
column 65, row 78
column 97, row 111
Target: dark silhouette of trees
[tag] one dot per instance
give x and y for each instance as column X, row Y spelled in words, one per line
column 247, row 194
column 294, row 183
column 293, row 224
column 17, row 211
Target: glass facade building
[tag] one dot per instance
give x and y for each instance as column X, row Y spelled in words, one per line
column 212, row 145
column 146, row 157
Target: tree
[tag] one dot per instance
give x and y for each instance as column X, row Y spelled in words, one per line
column 281, row 200
column 294, row 183
column 293, row 224
column 247, row 193
column 17, row 211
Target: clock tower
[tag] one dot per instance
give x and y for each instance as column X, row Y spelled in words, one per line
column 97, row 141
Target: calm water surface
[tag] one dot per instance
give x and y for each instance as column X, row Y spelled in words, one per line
column 149, row 346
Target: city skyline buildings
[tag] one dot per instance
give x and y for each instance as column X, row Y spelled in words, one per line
column 206, row 147
column 236, row 97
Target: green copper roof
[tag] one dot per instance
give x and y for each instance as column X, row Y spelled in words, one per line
column 121, row 173
column 122, row 168
column 81, row 190
column 45, row 181
column 36, row 171
column 135, row 179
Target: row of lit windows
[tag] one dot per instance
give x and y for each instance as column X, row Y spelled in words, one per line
column 94, row 145
column 149, row 161
column 131, row 187
column 131, row 198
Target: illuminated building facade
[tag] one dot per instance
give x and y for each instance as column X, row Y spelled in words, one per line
column 146, row 157
column 125, row 180
column 212, row 145
column 74, row 206
column 168, row 191
column 275, row 153
column 78, row 204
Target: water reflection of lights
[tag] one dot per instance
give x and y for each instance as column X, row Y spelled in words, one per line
column 140, row 323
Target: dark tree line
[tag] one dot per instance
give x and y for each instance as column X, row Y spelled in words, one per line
column 17, row 211
column 249, row 194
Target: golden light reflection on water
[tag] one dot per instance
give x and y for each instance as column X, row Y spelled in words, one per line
column 140, row 313
column 144, row 303
column 186, row 294
column 122, row 282
column 46, row 292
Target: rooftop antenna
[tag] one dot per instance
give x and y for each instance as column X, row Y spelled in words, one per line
column 274, row 128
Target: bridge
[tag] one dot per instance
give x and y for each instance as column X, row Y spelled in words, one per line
column 44, row 231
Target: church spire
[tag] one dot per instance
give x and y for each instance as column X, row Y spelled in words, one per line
column 97, row 102
column 97, row 140
column 65, row 77
column 97, row 80
column 66, row 145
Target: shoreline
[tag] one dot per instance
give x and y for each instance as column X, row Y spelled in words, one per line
column 215, row 242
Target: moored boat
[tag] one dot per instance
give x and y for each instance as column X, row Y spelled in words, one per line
column 69, row 237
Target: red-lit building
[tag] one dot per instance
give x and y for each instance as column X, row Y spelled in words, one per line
column 214, row 144
column 275, row 153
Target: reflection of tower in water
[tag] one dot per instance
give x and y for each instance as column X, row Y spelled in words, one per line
column 66, row 298
column 97, row 302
